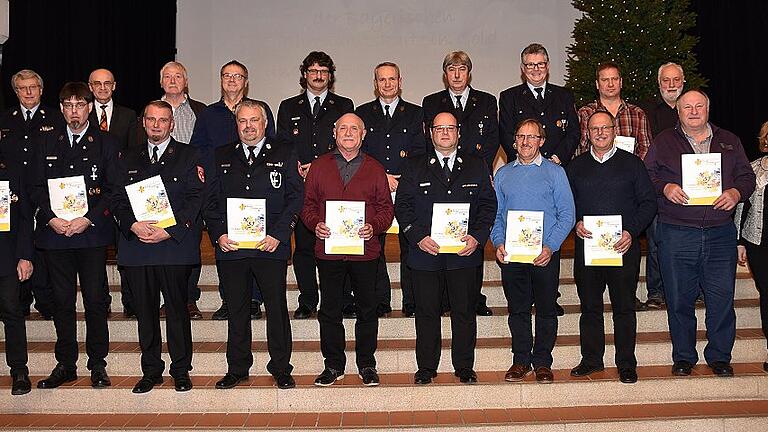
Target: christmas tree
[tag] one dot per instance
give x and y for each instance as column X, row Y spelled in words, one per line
column 638, row 35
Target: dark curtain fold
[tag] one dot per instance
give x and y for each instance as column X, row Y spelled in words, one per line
column 732, row 37
column 65, row 40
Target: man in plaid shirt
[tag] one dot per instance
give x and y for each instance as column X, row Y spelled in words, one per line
column 632, row 128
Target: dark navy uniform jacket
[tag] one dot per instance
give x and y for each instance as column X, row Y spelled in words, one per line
column 557, row 116
column 183, row 177
column 423, row 184
column 392, row 143
column 15, row 244
column 273, row 177
column 311, row 136
column 478, row 122
column 19, row 139
column 93, row 157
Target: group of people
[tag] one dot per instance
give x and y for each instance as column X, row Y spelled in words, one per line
column 399, row 159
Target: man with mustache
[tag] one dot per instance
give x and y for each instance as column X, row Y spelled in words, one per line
column 661, row 114
column 77, row 247
column 307, row 121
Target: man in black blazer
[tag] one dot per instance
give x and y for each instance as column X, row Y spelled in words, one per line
column 394, row 133
column 110, row 117
column 21, row 127
column 536, row 98
column 156, row 259
column 444, row 175
column 74, row 243
column 307, row 121
column 476, row 111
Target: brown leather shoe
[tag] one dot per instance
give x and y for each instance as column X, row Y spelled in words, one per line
column 544, row 375
column 517, row 373
column 194, row 312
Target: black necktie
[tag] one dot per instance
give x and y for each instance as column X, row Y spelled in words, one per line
column 154, row 155
column 75, row 137
column 387, row 115
column 539, row 93
column 316, row 107
column 459, row 106
column 446, row 168
column 29, row 115
column 251, row 154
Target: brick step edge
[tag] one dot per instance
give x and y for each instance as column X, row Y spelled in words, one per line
column 383, row 419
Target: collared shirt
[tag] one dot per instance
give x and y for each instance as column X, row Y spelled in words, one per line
column 109, row 107
column 311, row 98
column 464, row 97
column 451, row 159
column 160, row 148
column 79, row 134
column 606, row 156
column 33, row 110
column 536, row 161
column 392, row 105
column 533, row 89
column 256, row 150
column 702, row 147
column 347, row 168
column 630, row 121
column 184, row 121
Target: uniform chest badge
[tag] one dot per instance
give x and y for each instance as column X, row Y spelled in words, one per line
column 295, row 131
column 276, row 178
column 478, row 146
column 46, row 128
column 480, row 128
column 93, row 172
column 403, row 153
column 90, row 138
column 13, row 197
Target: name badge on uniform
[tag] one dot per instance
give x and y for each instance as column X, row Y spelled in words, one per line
column 274, row 164
column 133, row 171
column 51, row 157
column 425, row 184
column 276, row 178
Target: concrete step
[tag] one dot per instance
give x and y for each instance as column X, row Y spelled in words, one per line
column 393, row 327
column 211, row 301
column 746, row 416
column 397, row 393
column 394, row 355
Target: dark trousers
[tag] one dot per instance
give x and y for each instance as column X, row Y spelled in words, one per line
column 621, row 281
column 37, row 287
column 383, row 285
column 524, row 286
column 462, row 292
column 332, row 337
column 64, row 267
column 757, row 256
column 270, row 274
column 13, row 323
column 406, row 274
column 692, row 259
column 193, row 291
column 652, row 273
column 304, row 265
column 147, row 282
column 252, row 287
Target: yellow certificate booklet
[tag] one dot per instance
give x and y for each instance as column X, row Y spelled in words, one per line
column 5, row 206
column 149, row 201
column 68, row 197
column 702, row 178
column 344, row 219
column 395, row 227
column 606, row 231
column 524, row 236
column 450, row 222
column 625, row 143
column 247, row 221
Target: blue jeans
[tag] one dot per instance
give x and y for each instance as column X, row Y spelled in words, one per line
column 652, row 274
column 690, row 258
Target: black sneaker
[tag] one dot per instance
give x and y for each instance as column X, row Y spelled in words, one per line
column 654, row 303
column 221, row 314
column 328, row 377
column 369, row 376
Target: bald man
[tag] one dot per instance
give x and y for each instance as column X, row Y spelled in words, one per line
column 116, row 119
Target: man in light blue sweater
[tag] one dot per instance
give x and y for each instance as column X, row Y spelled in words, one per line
column 532, row 183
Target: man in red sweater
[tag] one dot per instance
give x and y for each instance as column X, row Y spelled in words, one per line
column 347, row 174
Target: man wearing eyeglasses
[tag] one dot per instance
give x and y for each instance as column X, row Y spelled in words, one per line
column 216, row 126
column 75, row 243
column 607, row 181
column 537, row 98
column 445, row 175
column 109, row 116
column 21, row 128
column 532, row 183
column 394, row 134
column 307, row 120
column 477, row 115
